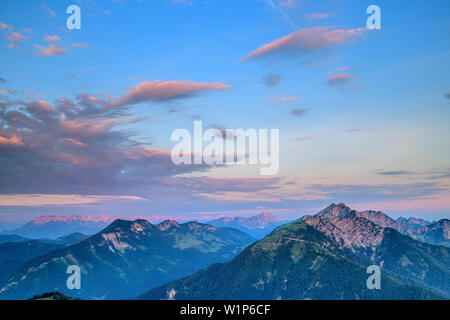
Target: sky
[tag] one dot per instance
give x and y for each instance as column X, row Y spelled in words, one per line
column 86, row 116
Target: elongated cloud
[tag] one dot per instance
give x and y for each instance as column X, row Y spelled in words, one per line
column 4, row 25
column 50, row 38
column 57, row 199
column 16, row 36
column 299, row 112
column 303, row 42
column 48, row 10
column 160, row 90
column 318, row 15
column 337, row 79
column 272, row 80
column 51, row 50
column 14, row 140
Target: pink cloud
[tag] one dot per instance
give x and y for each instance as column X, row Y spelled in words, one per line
column 4, row 25
column 51, row 50
column 80, row 45
column 85, row 127
column 337, row 79
column 13, row 46
column 14, row 140
column 288, row 4
column 283, row 99
column 75, row 142
column 318, row 15
column 304, row 42
column 48, row 10
column 16, row 36
column 38, row 107
column 50, row 38
column 160, row 90
column 61, row 199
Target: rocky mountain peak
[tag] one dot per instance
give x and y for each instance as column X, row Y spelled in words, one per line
column 336, row 211
column 167, row 224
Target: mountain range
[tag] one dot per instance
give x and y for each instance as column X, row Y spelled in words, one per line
column 125, row 259
column 322, row 257
column 13, row 254
column 257, row 226
column 48, row 226
column 57, row 226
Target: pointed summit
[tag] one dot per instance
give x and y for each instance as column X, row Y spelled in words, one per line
column 127, row 225
column 167, row 224
column 256, row 226
column 261, row 220
column 336, row 211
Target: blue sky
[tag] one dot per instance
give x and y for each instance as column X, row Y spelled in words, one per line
column 363, row 114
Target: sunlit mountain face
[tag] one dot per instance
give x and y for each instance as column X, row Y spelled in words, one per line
column 191, row 149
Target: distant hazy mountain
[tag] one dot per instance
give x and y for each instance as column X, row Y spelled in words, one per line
column 311, row 261
column 257, row 226
column 436, row 233
column 127, row 258
column 11, row 238
column 58, row 226
column 14, row 254
column 413, row 222
column 71, row 238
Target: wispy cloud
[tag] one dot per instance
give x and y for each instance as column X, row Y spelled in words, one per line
column 50, row 38
column 280, row 9
column 16, row 36
column 13, row 140
column 57, row 199
column 48, row 10
column 288, row 4
column 339, row 79
column 394, row 172
column 304, row 42
column 304, row 138
column 80, row 45
column 283, row 99
column 160, row 90
column 299, row 112
column 5, row 26
column 50, row 50
column 358, row 129
column 272, row 80
column 318, row 15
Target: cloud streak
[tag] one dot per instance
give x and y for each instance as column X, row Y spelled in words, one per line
column 50, row 50
column 304, row 42
column 340, row 79
column 160, row 90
